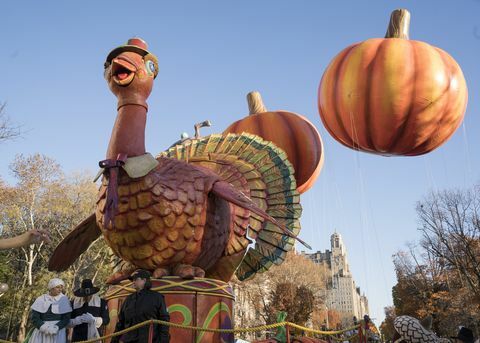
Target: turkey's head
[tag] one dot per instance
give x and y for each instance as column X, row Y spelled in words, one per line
column 130, row 70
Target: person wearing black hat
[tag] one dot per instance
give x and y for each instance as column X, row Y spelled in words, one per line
column 464, row 335
column 140, row 306
column 90, row 312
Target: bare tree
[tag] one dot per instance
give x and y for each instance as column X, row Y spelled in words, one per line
column 450, row 225
column 440, row 276
column 8, row 130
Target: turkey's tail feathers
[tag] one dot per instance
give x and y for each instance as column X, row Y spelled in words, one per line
column 226, row 191
column 261, row 171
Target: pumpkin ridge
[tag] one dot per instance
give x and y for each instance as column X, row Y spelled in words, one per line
column 314, row 132
column 401, row 130
column 421, row 146
column 455, row 70
column 298, row 152
column 260, row 124
column 325, row 122
column 335, row 92
column 445, row 110
column 367, row 114
column 327, row 85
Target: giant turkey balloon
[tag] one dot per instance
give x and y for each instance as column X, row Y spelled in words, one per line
column 392, row 95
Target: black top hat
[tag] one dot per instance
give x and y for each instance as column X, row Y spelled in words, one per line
column 141, row 273
column 86, row 289
column 465, row 335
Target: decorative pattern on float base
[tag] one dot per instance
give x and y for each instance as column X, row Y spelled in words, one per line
column 202, row 302
column 295, row 340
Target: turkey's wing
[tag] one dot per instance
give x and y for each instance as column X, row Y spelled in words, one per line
column 76, row 243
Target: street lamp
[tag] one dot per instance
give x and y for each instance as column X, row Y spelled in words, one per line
column 326, row 315
column 326, row 312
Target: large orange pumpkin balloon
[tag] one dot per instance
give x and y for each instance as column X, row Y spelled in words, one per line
column 393, row 96
column 289, row 131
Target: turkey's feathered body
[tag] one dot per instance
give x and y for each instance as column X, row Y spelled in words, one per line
column 167, row 217
column 196, row 208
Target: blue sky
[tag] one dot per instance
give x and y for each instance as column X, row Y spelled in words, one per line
column 211, row 54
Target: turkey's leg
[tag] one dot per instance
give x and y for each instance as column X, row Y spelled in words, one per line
column 161, row 272
column 186, row 271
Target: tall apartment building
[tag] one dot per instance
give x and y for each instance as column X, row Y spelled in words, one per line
column 342, row 293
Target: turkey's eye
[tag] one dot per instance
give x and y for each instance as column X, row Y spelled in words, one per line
column 150, row 67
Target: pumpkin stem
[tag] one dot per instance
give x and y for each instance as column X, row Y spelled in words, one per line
column 255, row 103
column 399, row 24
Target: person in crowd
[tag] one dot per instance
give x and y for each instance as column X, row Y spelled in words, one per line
column 25, row 239
column 464, row 335
column 90, row 313
column 140, row 306
column 50, row 314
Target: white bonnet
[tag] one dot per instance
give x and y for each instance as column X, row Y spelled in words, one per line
column 54, row 283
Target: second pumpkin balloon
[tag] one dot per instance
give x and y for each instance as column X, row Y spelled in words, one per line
column 291, row 132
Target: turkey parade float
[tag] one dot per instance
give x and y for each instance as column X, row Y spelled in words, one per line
column 210, row 208
column 200, row 212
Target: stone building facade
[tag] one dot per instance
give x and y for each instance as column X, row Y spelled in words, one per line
column 342, row 293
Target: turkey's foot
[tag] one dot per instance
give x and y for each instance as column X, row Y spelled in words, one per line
column 199, row 272
column 160, row 272
column 186, row 271
column 126, row 269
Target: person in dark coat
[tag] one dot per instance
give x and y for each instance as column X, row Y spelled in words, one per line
column 140, row 306
column 464, row 335
column 90, row 313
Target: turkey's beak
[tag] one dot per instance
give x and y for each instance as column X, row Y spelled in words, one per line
column 123, row 71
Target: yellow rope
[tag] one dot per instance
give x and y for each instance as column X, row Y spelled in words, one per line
column 319, row 332
column 239, row 330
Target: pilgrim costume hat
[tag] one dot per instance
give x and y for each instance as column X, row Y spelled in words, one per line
column 86, row 289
